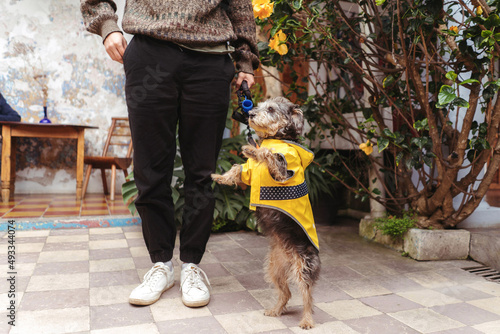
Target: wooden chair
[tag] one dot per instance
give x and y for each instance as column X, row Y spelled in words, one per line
column 118, row 135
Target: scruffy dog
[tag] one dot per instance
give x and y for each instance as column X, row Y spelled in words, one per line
column 275, row 172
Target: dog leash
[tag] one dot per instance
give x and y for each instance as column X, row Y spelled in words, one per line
column 245, row 104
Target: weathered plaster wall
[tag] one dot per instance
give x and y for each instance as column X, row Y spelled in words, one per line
column 84, row 87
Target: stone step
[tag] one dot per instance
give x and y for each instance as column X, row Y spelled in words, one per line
column 485, row 246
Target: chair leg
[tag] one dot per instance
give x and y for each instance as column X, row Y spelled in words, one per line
column 113, row 182
column 86, row 181
column 104, row 182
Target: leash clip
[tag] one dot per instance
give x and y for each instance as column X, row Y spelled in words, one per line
column 245, row 104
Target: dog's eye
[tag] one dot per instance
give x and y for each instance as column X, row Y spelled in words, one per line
column 270, row 109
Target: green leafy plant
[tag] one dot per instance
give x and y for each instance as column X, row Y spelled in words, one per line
column 394, row 226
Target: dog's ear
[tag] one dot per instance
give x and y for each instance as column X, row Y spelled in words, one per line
column 293, row 128
column 297, row 119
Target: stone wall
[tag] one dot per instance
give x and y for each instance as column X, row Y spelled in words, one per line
column 84, row 87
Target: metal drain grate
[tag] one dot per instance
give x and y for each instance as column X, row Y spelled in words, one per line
column 486, row 272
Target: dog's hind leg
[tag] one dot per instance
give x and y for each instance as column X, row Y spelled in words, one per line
column 277, row 272
column 308, row 272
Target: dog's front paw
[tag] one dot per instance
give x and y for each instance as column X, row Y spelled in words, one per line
column 249, row 151
column 218, row 178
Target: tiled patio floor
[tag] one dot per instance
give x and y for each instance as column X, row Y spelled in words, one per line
column 78, row 281
column 55, row 205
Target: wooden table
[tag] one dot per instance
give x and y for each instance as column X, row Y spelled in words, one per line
column 36, row 130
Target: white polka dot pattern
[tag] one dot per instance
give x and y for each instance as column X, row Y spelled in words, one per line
column 282, row 193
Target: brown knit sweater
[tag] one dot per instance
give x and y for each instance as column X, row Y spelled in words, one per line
column 189, row 22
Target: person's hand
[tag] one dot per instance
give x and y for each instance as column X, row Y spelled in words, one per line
column 244, row 76
column 115, row 45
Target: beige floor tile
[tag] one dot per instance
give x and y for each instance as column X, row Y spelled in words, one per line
column 111, row 265
column 174, row 309
column 66, row 256
column 489, row 327
column 24, row 269
column 430, row 279
column 5, row 299
column 105, row 230
column 70, row 320
column 249, row 322
column 58, row 282
column 32, row 233
column 133, row 235
column 24, row 248
column 224, row 284
column 139, row 251
column 208, row 258
column 67, row 238
column 268, row 297
column 347, row 309
column 107, row 244
column 362, row 288
column 486, row 287
column 337, row 327
column 429, row 298
column 134, row 329
column 425, row 320
column 108, row 295
column 489, row 304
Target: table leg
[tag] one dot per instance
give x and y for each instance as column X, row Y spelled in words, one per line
column 13, row 161
column 6, row 164
column 79, row 163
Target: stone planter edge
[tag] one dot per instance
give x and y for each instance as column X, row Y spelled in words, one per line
column 422, row 245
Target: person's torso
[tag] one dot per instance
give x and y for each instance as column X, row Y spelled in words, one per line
column 193, row 24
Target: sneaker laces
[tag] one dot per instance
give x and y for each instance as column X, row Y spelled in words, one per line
column 153, row 275
column 195, row 280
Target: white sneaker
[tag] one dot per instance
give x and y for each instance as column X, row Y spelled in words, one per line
column 158, row 279
column 194, row 291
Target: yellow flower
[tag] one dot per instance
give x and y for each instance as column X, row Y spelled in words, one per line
column 479, row 10
column 454, row 29
column 262, row 8
column 277, row 43
column 366, row 147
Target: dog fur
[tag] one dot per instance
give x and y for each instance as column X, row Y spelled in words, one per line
column 292, row 256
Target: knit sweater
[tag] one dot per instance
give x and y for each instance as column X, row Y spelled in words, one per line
column 189, row 22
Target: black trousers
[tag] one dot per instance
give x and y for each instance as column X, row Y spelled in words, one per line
column 168, row 87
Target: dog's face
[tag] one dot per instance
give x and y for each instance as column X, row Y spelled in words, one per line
column 278, row 118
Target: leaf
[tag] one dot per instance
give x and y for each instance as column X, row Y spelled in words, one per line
column 388, row 133
column 399, row 156
column 446, row 95
column 382, row 143
column 469, row 81
column 451, row 76
column 492, row 21
column 461, row 102
column 297, row 4
column 175, row 195
column 427, row 160
column 379, row 2
column 388, row 81
column 486, row 33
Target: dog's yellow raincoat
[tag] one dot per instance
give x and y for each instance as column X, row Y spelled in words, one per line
column 290, row 196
